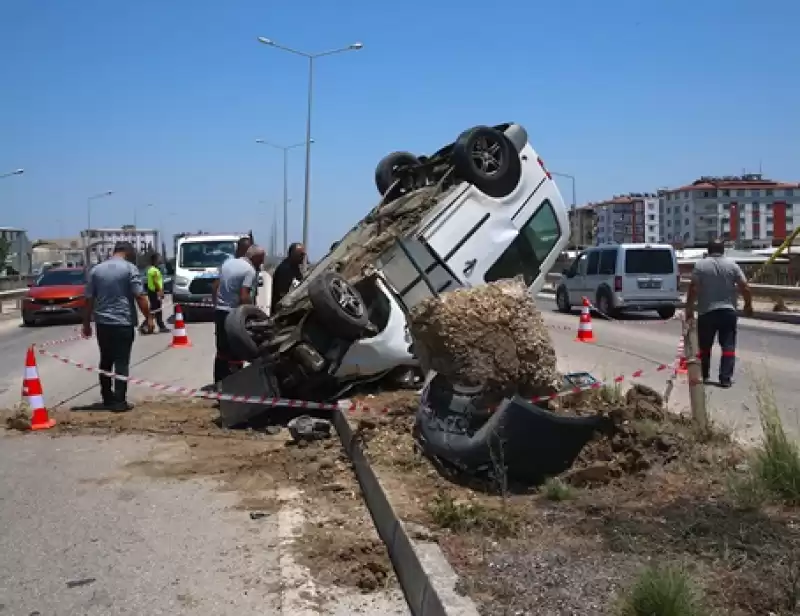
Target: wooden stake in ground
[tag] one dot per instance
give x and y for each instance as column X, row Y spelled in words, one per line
column 697, row 394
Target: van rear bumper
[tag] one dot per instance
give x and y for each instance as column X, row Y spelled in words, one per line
column 647, row 303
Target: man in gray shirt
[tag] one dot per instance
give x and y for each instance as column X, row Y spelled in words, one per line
column 113, row 289
column 715, row 280
column 237, row 279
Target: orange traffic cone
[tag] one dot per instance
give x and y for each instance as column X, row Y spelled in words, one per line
column 179, row 337
column 683, row 367
column 32, row 394
column 585, row 333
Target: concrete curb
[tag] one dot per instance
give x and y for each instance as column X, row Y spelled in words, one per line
column 773, row 317
column 420, row 594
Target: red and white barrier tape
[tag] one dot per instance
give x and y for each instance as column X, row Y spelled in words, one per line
column 344, row 405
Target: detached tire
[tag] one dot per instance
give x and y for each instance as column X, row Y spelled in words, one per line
column 487, row 159
column 338, row 305
column 386, row 171
column 240, row 341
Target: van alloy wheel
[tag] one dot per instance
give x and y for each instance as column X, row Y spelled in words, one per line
column 346, row 298
column 487, row 155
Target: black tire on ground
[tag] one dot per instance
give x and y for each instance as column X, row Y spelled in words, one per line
column 28, row 321
column 487, row 159
column 562, row 301
column 241, row 342
column 605, row 303
column 338, row 305
column 385, row 172
column 666, row 312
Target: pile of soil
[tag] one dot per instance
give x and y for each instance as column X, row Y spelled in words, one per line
column 492, row 336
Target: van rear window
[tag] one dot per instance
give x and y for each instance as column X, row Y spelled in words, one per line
column 649, row 261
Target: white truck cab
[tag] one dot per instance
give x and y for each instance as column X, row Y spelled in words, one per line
column 621, row 277
column 197, row 264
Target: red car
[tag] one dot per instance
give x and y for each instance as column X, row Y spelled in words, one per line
column 57, row 293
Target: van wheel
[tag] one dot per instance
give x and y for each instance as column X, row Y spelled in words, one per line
column 605, row 304
column 666, row 312
column 486, row 158
column 386, row 171
column 562, row 301
column 339, row 305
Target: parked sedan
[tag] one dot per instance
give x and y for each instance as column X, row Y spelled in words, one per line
column 57, row 293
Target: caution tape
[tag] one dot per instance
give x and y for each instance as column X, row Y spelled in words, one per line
column 343, row 405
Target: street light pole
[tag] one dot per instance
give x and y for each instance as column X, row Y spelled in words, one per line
column 285, row 150
column 311, row 57
column 89, row 200
column 10, row 173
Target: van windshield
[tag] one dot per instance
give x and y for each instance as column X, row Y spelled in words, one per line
column 528, row 251
column 649, row 261
column 205, row 254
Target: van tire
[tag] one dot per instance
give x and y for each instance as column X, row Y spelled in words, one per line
column 605, row 304
column 487, row 159
column 242, row 345
column 666, row 312
column 386, row 171
column 562, row 301
column 339, row 306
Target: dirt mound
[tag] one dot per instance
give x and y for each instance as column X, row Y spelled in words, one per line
column 644, row 435
column 492, row 336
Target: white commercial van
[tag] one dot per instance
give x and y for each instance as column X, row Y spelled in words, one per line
column 197, row 262
column 480, row 209
column 620, row 277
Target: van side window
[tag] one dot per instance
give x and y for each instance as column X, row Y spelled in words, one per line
column 608, row 262
column 594, row 262
column 525, row 255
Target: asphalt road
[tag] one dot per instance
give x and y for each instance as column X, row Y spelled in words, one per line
column 82, row 534
column 766, row 355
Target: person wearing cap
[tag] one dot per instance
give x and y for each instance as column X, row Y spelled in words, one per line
column 113, row 289
column 715, row 280
column 237, row 278
column 287, row 274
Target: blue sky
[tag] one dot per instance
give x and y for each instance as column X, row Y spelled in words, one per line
column 161, row 101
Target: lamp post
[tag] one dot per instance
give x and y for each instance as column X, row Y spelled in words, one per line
column 310, row 57
column 89, row 200
column 10, row 173
column 285, row 150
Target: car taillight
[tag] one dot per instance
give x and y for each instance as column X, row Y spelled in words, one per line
column 541, row 164
column 617, row 283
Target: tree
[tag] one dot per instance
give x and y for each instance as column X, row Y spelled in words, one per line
column 5, row 248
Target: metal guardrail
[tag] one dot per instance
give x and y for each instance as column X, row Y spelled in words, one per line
column 759, row 290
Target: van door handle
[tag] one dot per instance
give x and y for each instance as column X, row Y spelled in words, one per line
column 469, row 266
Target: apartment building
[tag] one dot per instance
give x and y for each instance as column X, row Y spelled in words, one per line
column 583, row 227
column 748, row 211
column 631, row 218
column 17, row 251
column 100, row 242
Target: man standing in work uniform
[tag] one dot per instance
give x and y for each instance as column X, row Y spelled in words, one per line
column 286, row 274
column 155, row 294
column 237, row 278
column 113, row 288
column 715, row 280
